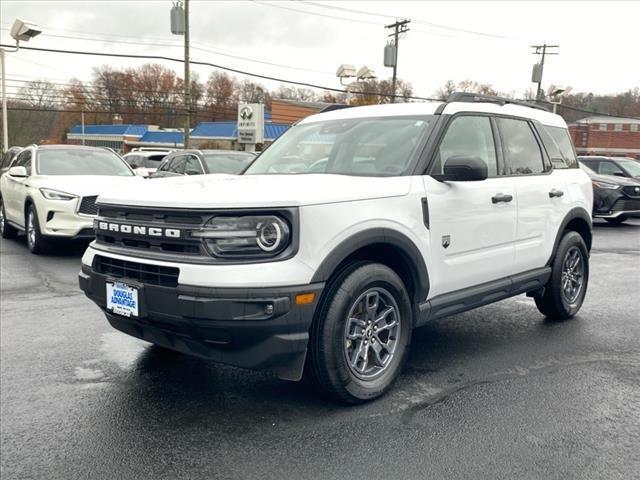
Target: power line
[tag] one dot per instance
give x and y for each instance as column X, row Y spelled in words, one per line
column 171, row 45
column 221, row 67
column 415, row 20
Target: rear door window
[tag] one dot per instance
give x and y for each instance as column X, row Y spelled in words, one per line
column 521, row 149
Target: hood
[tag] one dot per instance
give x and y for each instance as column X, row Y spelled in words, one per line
column 614, row 179
column 253, row 191
column 86, row 185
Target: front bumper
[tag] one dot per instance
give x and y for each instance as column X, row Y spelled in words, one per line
column 609, row 203
column 256, row 328
column 60, row 218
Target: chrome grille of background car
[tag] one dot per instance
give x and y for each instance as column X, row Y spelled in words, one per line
column 626, row 204
column 88, row 205
column 152, row 218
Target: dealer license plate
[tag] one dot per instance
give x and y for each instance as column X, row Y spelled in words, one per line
column 122, row 299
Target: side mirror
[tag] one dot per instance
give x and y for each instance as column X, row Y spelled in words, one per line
column 139, row 173
column 192, row 172
column 464, row 169
column 18, row 172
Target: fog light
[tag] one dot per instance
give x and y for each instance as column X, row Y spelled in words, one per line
column 268, row 309
column 305, row 298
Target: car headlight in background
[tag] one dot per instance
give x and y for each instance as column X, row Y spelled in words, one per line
column 609, row 186
column 256, row 236
column 50, row 194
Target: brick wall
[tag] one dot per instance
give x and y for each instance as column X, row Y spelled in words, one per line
column 591, row 139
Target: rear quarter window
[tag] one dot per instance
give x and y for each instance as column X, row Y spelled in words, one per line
column 559, row 147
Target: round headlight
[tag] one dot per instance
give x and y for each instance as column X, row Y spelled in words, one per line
column 269, row 236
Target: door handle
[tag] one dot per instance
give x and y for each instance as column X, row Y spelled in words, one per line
column 501, row 197
column 555, row 193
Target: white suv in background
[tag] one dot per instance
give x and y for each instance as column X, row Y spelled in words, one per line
column 50, row 191
column 354, row 227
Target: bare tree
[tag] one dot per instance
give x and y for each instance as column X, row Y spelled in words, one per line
column 39, row 94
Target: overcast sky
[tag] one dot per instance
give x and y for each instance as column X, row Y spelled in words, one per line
column 483, row 41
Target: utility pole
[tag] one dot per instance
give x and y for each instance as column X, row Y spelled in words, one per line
column 399, row 27
column 187, row 80
column 538, row 68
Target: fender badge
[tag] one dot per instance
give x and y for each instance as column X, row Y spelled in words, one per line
column 446, row 240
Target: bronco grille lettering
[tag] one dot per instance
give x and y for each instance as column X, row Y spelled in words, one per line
column 139, row 230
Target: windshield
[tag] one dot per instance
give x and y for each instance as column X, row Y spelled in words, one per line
column 631, row 166
column 355, row 146
column 81, row 162
column 233, row 163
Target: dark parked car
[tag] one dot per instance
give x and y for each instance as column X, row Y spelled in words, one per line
column 8, row 158
column 615, row 198
column 618, row 166
column 199, row 162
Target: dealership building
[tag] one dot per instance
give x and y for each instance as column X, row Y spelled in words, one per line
column 607, row 136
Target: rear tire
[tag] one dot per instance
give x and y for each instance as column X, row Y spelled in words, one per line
column 567, row 287
column 616, row 220
column 6, row 230
column 360, row 337
column 36, row 242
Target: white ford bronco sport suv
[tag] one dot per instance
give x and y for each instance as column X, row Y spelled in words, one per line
column 353, row 228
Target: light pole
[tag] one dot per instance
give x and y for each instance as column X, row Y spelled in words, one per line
column 180, row 26
column 556, row 94
column 21, row 30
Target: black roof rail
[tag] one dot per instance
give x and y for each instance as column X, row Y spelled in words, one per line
column 479, row 98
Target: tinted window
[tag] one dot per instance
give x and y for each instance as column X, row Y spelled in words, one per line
column 468, row 137
column 81, row 162
column 192, row 166
column 609, row 168
column 352, row 146
column 24, row 160
column 521, row 150
column 177, row 164
column 133, row 160
column 232, row 163
column 631, row 166
column 153, row 161
column 558, row 144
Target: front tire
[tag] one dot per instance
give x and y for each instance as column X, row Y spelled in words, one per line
column 6, row 230
column 36, row 242
column 567, row 287
column 360, row 338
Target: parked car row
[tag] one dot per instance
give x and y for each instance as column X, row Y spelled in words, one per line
column 169, row 163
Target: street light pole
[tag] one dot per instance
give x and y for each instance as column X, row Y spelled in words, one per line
column 5, row 130
column 187, row 81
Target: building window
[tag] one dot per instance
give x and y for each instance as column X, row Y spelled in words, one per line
column 617, row 127
column 633, row 127
column 603, row 127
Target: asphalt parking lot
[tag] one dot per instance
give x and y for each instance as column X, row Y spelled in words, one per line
column 494, row 393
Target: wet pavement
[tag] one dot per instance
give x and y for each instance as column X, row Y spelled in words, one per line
column 498, row 392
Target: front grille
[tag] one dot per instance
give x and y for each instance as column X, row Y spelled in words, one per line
column 88, row 205
column 632, row 191
column 152, row 218
column 142, row 272
column 626, row 204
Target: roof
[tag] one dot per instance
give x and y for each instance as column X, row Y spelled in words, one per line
column 120, row 130
column 300, row 103
column 429, row 108
column 159, row 136
column 227, row 130
column 607, row 119
column 67, row 147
